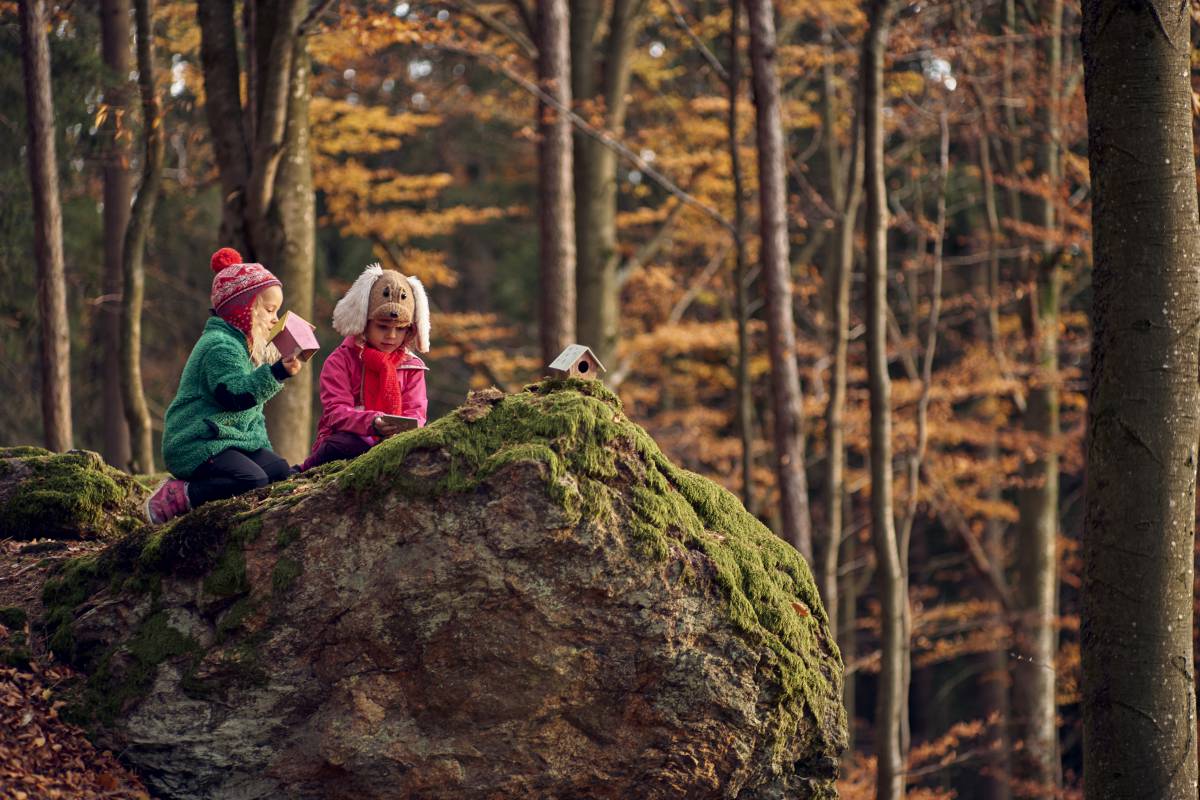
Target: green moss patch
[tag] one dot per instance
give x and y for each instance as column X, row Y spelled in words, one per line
column 126, row 672
column 69, row 495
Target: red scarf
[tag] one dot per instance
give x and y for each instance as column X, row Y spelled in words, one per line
column 381, row 383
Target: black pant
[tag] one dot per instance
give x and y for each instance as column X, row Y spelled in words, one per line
column 336, row 447
column 234, row 471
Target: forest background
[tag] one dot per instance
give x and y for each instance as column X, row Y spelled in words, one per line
column 319, row 138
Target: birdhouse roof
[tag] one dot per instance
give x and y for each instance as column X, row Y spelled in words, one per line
column 572, row 354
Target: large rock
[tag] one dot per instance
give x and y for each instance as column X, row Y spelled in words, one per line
column 65, row 496
column 524, row 599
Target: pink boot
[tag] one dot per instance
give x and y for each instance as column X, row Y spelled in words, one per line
column 169, row 500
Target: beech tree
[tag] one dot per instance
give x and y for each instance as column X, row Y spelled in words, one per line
column 787, row 402
column 556, row 204
column 47, row 235
column 118, row 191
column 890, row 720
column 1139, row 701
column 137, row 413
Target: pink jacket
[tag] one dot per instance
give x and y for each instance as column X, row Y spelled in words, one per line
column 341, row 392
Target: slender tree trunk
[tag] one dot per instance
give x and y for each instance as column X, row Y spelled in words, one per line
column 993, row 684
column 136, row 411
column 745, row 400
column 787, row 401
column 596, row 166
column 47, row 228
column 835, row 475
column 1036, row 642
column 556, row 202
column 292, row 250
column 114, row 45
column 1139, row 703
column 893, row 592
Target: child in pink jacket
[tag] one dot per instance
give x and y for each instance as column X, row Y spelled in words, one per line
column 374, row 371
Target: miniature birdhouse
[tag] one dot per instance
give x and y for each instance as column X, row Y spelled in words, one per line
column 577, row 361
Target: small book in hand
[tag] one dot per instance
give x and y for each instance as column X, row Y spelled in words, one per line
column 294, row 336
column 403, row 423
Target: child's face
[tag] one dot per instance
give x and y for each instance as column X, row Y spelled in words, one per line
column 266, row 309
column 385, row 335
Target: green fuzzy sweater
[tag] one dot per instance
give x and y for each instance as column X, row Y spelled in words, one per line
column 219, row 404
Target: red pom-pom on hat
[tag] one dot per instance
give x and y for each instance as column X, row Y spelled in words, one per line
column 225, row 257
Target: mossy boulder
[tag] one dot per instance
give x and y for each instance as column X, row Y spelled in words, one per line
column 71, row 495
column 523, row 599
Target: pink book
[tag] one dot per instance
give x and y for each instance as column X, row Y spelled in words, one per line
column 294, row 336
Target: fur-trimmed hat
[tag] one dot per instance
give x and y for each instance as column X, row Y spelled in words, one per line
column 235, row 286
column 384, row 294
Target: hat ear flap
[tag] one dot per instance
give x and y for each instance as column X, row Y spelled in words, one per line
column 350, row 313
column 420, row 314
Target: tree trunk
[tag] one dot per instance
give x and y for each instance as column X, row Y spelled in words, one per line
column 745, row 399
column 118, row 191
column 787, row 401
column 848, row 199
column 893, row 592
column 993, row 689
column 1036, row 641
column 292, row 249
column 47, row 228
column 597, row 286
column 136, row 411
column 1139, row 705
column 223, row 107
column 556, row 202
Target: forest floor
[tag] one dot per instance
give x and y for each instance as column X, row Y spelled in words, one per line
column 43, row 757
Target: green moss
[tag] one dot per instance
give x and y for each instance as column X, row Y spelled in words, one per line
column 233, row 618
column 111, row 687
column 64, row 495
column 13, row 618
column 286, row 536
column 285, row 573
column 23, row 451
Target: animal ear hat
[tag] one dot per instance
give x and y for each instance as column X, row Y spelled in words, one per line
column 384, row 294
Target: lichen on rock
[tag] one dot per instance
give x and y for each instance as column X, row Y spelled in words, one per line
column 524, row 598
column 68, row 495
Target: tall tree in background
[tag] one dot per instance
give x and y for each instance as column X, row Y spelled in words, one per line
column 263, row 156
column 136, row 411
column 114, row 45
column 786, row 399
column 292, row 244
column 744, row 397
column 556, row 204
column 600, row 71
column 47, row 233
column 891, row 747
column 845, row 181
column 1036, row 641
column 1139, row 704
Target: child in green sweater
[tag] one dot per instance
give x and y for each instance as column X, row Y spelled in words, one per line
column 215, row 435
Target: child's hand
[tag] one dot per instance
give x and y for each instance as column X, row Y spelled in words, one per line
column 292, row 364
column 385, row 428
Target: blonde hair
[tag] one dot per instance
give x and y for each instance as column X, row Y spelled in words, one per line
column 261, row 350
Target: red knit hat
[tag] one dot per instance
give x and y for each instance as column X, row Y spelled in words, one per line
column 235, row 286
